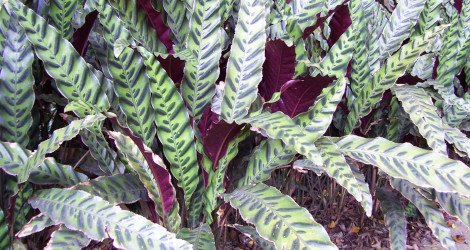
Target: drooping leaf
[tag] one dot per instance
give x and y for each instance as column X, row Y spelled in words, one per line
column 200, row 237
column 364, row 186
column 66, row 238
column 394, row 218
column 16, row 86
column 423, row 114
column 455, row 205
column 385, row 78
column 36, row 224
column 246, row 60
column 278, row 218
column 99, row 220
column 205, row 44
column 421, row 167
column 173, row 126
column 116, row 189
column 279, row 126
column 60, row 16
column 428, row 209
column 456, row 137
column 253, row 234
column 52, row 144
column 74, row 79
column 4, row 232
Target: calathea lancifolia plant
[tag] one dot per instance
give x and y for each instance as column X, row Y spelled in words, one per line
column 173, row 114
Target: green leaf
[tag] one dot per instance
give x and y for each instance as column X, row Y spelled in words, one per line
column 304, row 165
column 60, row 16
column 456, row 137
column 428, row 209
column 176, row 20
column 197, row 200
column 279, row 126
column 405, row 161
column 4, row 232
column 52, row 144
column 116, row 189
column 403, row 18
column 455, row 205
column 246, row 60
column 364, row 186
column 36, row 224
column 74, row 79
column 64, row 238
column 16, row 86
column 423, row 114
column 137, row 22
column 205, row 45
column 119, row 45
column 266, row 157
column 394, row 218
column 429, row 17
column 77, row 105
column 385, row 78
column 99, row 220
column 51, row 172
column 253, row 234
column 278, row 218
column 200, row 238
column 173, row 126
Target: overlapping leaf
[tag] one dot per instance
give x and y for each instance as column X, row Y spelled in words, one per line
column 200, row 237
column 423, row 114
column 62, row 62
column 456, row 137
column 60, row 15
column 197, row 200
column 99, row 220
column 36, row 224
column 4, row 232
column 394, row 218
column 428, row 209
column 385, row 78
column 174, row 129
column 204, row 43
column 246, row 60
column 69, row 239
column 176, row 20
column 116, row 189
column 253, row 234
column 278, row 218
column 455, row 205
column 421, row 167
column 429, row 17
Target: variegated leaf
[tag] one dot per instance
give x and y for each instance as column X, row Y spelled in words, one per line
column 456, row 137
column 455, row 205
column 64, row 238
column 4, row 232
column 246, row 59
column 200, row 237
column 99, row 220
column 36, row 224
column 405, row 161
column 176, row 20
column 253, row 234
column 394, row 218
column 278, row 218
column 60, row 16
column 51, row 172
column 429, row 17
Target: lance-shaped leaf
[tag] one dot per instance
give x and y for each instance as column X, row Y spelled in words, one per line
column 456, row 137
column 337, row 167
column 60, row 15
column 4, row 232
column 36, row 224
column 385, row 78
column 116, row 189
column 403, row 18
column 380, row 18
column 156, row 20
column 176, row 20
column 16, row 86
column 306, row 11
column 278, row 218
column 266, row 157
column 316, row 121
column 394, row 218
column 66, row 238
column 364, row 186
column 253, row 234
column 52, row 144
column 99, row 220
column 429, row 17
column 246, row 60
column 279, row 126
column 217, row 177
column 197, row 200
column 204, row 43
column 200, row 237
column 455, row 205
column 4, row 23
column 137, row 22
column 423, row 114
column 428, row 209
column 405, row 161
column 153, row 174
column 173, row 126
column 51, row 172
column 21, row 208
column 62, row 62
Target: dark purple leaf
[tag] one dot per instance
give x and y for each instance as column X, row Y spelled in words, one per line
column 298, row 95
column 216, row 135
column 278, row 68
column 157, row 23
column 161, row 175
column 80, row 36
column 339, row 23
column 320, row 22
column 174, row 67
column 458, row 5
